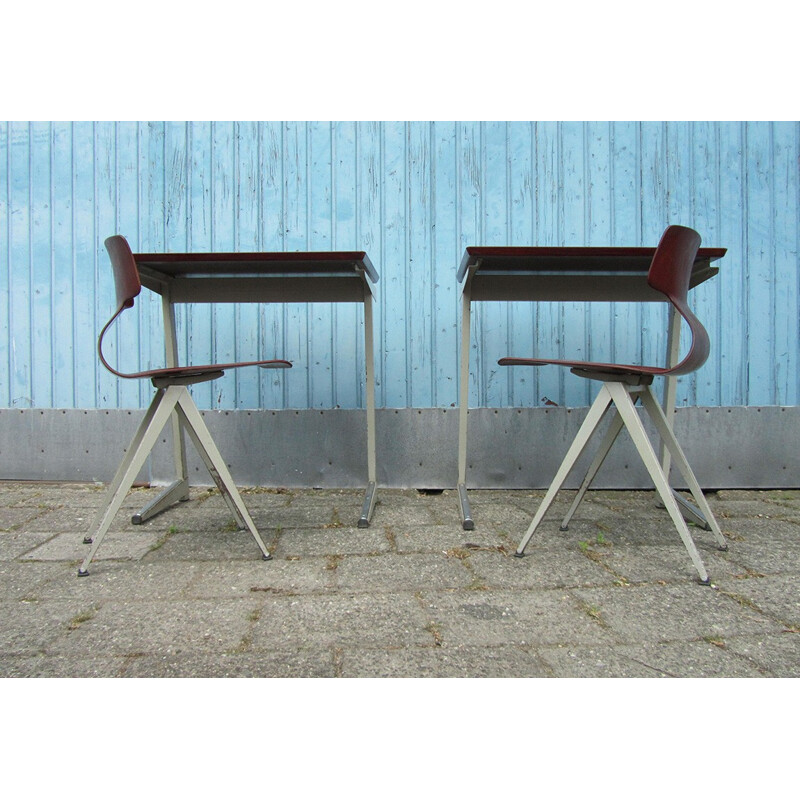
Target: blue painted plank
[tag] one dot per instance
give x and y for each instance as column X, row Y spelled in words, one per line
column 295, row 238
column 200, row 227
column 272, row 329
column 85, row 268
column 786, row 275
column 41, row 267
column 345, row 326
column 19, row 267
column 65, row 370
column 760, row 264
column 732, row 278
column 369, row 217
column 393, row 390
column 247, row 227
column 446, row 255
column 419, row 283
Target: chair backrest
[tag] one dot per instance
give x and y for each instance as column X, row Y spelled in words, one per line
column 126, row 274
column 670, row 273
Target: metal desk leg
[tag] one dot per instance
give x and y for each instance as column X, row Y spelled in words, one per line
column 178, row 490
column 463, row 410
column 369, row 356
column 690, row 512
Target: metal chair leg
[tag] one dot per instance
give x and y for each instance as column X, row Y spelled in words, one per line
column 200, row 435
column 608, row 440
column 653, row 407
column 595, row 414
column 146, row 436
column 625, row 407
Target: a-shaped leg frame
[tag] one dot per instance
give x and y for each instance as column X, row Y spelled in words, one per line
column 664, row 429
column 593, row 418
column 200, row 435
column 624, row 403
column 166, row 400
column 155, row 418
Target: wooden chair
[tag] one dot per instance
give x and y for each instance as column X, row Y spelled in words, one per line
column 624, row 384
column 172, row 395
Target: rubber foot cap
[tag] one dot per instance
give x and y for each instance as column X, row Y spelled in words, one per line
column 266, row 558
column 519, row 555
column 82, row 573
column 87, row 540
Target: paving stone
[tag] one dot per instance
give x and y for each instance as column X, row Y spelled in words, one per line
column 45, row 666
column 777, row 596
column 332, row 542
column 186, row 595
column 435, row 538
column 15, row 545
column 650, row 660
column 521, row 618
column 116, row 544
column 411, row 572
column 778, row 655
column 258, row 579
column 540, row 568
column 169, row 628
column 672, row 613
column 342, row 620
column 31, row 626
column 300, row 663
column 444, row 662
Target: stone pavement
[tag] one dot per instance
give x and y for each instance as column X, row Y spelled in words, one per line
column 187, row 595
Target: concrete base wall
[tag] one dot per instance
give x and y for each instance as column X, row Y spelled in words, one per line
column 416, row 448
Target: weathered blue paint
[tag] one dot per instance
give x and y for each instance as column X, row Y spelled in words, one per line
column 413, row 195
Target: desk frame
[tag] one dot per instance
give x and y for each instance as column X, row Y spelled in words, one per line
column 562, row 274
column 324, row 277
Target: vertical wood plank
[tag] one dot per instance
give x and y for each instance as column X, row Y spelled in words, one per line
column 273, row 383
column 65, row 367
column 369, row 228
column 446, row 255
column 419, row 282
column 85, row 267
column 393, row 391
column 786, row 275
column 42, row 333
column 346, row 327
column 760, row 214
column 19, row 263
column 295, row 237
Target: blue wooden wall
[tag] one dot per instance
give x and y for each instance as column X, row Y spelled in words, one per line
column 413, row 195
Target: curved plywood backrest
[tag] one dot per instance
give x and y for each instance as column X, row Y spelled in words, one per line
column 670, row 273
column 126, row 274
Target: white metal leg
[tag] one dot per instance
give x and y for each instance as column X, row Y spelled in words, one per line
column 463, row 409
column 625, row 407
column 178, row 490
column 671, row 443
column 593, row 417
column 200, row 435
column 608, row 440
column 155, row 419
column 369, row 357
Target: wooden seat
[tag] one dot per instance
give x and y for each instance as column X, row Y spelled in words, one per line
column 171, row 396
column 624, row 384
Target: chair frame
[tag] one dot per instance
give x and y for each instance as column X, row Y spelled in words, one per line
column 171, row 397
column 623, row 385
